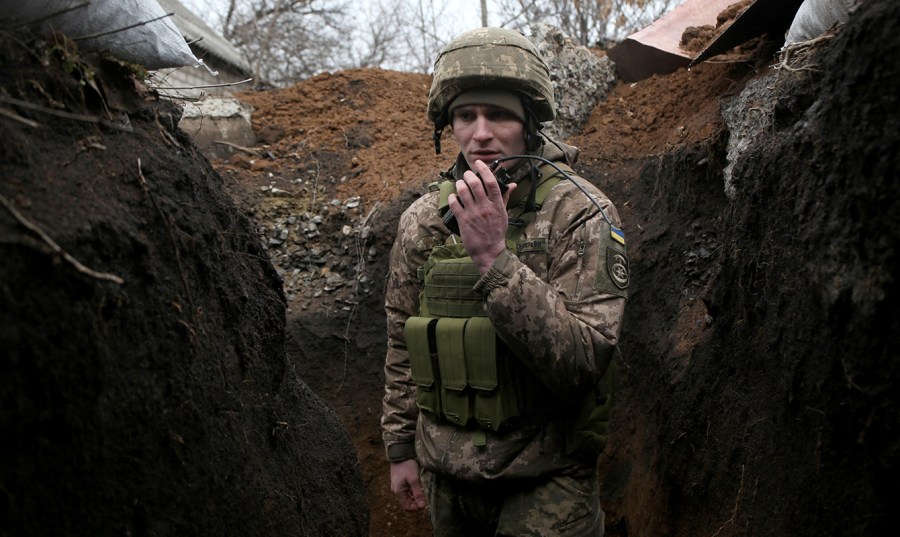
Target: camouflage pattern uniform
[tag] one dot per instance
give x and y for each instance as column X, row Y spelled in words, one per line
column 559, row 309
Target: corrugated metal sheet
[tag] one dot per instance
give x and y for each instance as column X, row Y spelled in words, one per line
column 193, row 28
column 655, row 49
column 771, row 17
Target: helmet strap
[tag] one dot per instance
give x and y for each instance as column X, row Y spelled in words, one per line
column 533, row 139
column 437, row 140
column 533, row 143
column 439, row 125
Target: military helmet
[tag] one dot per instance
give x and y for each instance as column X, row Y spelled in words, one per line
column 490, row 57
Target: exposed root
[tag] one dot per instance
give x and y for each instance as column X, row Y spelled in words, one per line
column 184, row 282
column 359, row 244
column 737, row 502
column 250, row 151
column 65, row 115
column 166, row 90
column 223, row 85
column 16, row 117
column 797, row 52
column 57, row 248
column 168, row 138
column 84, row 145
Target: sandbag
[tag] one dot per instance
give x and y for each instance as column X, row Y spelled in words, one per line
column 815, row 17
column 154, row 45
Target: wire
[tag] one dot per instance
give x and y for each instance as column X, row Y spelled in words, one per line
column 497, row 162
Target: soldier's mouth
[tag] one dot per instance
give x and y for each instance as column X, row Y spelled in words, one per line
column 487, row 156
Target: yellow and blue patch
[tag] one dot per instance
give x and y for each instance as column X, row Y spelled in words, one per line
column 617, row 235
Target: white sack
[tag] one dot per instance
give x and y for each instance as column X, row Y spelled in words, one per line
column 815, row 17
column 154, row 45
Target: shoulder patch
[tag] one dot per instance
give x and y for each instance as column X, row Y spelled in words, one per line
column 617, row 267
column 615, row 274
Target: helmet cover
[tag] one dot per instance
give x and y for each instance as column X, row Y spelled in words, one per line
column 490, row 57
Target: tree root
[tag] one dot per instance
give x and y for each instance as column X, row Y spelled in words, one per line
column 797, row 50
column 184, row 281
column 57, row 248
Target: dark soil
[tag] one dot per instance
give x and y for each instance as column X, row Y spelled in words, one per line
column 759, row 390
column 146, row 389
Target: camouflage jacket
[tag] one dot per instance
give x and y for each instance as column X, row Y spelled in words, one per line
column 557, row 308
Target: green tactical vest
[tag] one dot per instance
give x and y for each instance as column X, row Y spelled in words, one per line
column 463, row 372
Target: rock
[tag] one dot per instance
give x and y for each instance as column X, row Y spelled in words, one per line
column 581, row 79
column 216, row 119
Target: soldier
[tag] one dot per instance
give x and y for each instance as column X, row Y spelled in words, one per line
column 504, row 303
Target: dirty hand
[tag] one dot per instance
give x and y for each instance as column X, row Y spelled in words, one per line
column 406, row 485
column 480, row 210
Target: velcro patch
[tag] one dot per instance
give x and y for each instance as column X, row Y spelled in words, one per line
column 530, row 246
column 617, row 235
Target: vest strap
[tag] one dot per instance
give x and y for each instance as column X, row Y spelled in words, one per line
column 547, row 175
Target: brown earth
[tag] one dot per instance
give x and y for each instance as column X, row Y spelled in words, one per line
column 759, row 387
column 695, row 38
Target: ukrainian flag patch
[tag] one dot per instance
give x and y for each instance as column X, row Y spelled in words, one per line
column 617, row 235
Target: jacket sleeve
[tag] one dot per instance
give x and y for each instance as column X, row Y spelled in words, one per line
column 564, row 327
column 410, row 250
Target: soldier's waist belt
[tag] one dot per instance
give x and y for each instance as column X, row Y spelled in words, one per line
column 466, row 376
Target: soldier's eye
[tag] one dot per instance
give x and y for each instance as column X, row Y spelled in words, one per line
column 501, row 115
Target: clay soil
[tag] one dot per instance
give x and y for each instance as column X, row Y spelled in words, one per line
column 759, row 378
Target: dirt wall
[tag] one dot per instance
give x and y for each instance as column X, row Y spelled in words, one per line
column 760, row 379
column 146, row 389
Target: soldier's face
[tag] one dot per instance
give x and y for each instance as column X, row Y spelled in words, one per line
column 487, row 133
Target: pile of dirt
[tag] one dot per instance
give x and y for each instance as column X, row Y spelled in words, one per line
column 366, row 129
column 758, row 393
column 695, row 38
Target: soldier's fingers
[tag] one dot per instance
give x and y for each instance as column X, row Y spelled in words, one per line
column 473, row 182
column 418, row 494
column 465, row 191
column 412, row 503
column 510, row 188
column 490, row 182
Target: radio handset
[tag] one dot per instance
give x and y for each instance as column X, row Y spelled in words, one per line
column 503, row 179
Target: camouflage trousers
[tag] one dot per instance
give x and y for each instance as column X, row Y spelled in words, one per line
column 557, row 506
